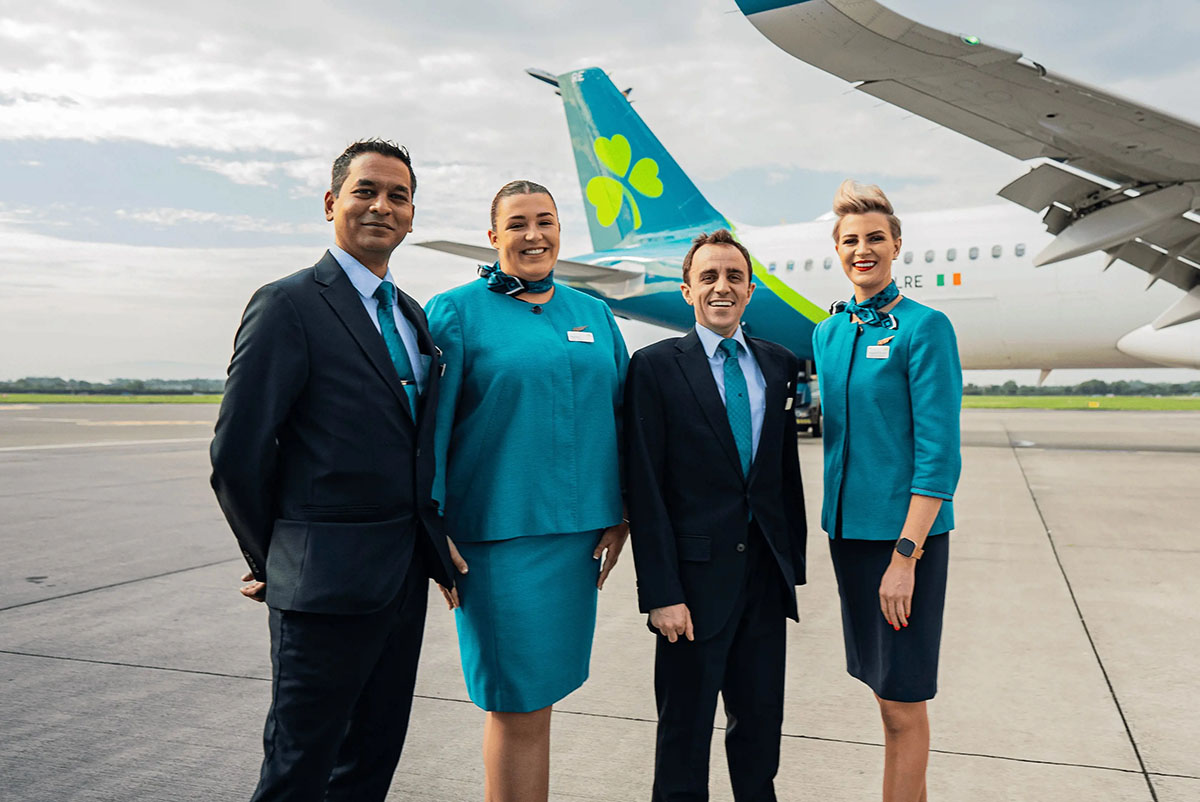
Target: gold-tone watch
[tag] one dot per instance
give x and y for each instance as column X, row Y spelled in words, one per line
column 908, row 548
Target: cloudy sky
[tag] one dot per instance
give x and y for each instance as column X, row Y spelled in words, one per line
column 158, row 161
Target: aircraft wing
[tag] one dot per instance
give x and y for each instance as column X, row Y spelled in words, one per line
column 577, row 272
column 1118, row 176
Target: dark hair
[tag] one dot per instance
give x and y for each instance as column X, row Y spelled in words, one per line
column 384, row 147
column 721, row 236
column 521, row 187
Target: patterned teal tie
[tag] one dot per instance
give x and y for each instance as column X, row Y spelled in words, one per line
column 386, row 296
column 737, row 403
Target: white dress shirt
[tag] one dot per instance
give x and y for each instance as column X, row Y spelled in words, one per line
column 367, row 283
column 756, row 385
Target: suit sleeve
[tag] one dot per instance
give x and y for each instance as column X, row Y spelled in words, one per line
column 935, row 392
column 793, row 486
column 445, row 326
column 266, row 375
column 653, row 538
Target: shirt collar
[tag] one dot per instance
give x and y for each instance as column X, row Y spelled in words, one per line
column 711, row 340
column 362, row 278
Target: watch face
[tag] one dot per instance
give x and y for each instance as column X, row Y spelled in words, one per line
column 905, row 546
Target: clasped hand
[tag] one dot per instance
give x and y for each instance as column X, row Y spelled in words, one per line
column 255, row 590
column 460, row 565
column 674, row 621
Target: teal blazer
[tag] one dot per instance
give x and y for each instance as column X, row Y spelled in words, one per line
column 526, row 440
column 891, row 414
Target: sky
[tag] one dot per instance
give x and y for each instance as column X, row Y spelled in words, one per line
column 158, row 162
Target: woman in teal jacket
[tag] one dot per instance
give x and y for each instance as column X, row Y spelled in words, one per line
column 528, row 478
column 891, row 392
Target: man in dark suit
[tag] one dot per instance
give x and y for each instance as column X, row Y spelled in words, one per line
column 717, row 515
column 323, row 466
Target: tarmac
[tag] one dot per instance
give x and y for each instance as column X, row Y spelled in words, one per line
column 131, row 669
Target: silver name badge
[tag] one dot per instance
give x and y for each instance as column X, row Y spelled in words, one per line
column 878, row 351
column 581, row 337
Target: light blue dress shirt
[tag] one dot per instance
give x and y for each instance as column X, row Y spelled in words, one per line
column 756, row 385
column 367, row 283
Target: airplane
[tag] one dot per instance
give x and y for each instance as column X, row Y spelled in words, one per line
column 1112, row 177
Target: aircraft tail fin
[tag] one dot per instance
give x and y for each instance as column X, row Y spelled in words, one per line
column 633, row 189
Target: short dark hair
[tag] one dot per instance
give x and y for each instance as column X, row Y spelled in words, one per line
column 519, row 187
column 721, row 236
column 384, row 147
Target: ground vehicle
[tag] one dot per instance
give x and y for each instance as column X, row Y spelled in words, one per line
column 808, row 402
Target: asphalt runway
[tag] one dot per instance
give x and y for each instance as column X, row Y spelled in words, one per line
column 131, row 669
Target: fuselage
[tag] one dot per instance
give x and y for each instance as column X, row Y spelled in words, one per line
column 976, row 265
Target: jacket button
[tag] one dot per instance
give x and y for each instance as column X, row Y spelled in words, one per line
column 741, row 547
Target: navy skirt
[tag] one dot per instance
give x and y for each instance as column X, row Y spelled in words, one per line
column 526, row 620
column 898, row 666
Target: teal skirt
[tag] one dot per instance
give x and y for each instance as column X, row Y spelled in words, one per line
column 526, row 620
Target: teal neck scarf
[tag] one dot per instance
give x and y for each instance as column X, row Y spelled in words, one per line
column 869, row 310
column 499, row 281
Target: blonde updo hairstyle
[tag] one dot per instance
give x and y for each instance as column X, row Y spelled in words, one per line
column 855, row 198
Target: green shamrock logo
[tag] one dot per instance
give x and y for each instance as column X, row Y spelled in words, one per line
column 607, row 194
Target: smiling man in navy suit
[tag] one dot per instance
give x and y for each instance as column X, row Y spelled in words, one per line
column 323, row 466
column 716, row 512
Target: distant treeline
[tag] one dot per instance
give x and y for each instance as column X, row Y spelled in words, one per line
column 1090, row 387
column 41, row 384
column 45, row 384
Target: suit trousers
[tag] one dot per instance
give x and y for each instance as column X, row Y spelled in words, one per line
column 745, row 662
column 342, row 689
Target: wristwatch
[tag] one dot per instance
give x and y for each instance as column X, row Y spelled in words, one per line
column 908, row 549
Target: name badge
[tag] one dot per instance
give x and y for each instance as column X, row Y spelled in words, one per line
column 581, row 337
column 878, row 351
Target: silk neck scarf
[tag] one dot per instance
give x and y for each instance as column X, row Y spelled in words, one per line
column 499, row 281
column 869, row 310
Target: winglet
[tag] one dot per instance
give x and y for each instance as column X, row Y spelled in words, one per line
column 542, row 75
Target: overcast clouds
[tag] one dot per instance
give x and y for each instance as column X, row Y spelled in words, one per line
column 159, row 161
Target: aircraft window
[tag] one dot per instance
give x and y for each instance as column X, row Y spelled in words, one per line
column 973, row 253
column 828, row 263
column 808, row 264
column 1020, row 249
column 771, row 267
column 928, row 256
column 908, row 257
column 951, row 254
column 996, row 251
column 791, row 265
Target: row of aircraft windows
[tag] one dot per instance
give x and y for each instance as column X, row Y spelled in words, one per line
column 908, row 258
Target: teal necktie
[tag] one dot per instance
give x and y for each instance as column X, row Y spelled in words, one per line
column 737, row 404
column 386, row 296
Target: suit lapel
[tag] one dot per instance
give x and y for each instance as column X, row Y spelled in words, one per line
column 696, row 370
column 340, row 294
column 775, row 397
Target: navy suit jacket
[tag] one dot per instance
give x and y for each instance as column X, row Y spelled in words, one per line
column 689, row 505
column 317, row 464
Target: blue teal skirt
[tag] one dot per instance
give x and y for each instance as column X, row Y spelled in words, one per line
column 526, row 620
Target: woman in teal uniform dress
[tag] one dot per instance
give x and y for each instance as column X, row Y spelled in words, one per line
column 891, row 392
column 528, row 478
